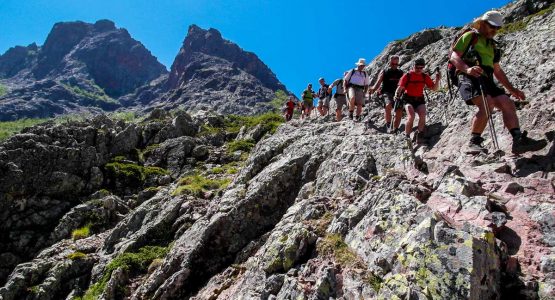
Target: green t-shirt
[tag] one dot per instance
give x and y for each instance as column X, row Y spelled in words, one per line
column 485, row 48
column 307, row 95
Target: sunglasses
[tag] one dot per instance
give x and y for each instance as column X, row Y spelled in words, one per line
column 394, row 64
column 419, row 67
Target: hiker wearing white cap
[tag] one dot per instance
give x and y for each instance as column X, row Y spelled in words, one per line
column 324, row 97
column 355, row 83
column 476, row 57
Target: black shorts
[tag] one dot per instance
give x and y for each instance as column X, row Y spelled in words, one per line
column 414, row 101
column 469, row 87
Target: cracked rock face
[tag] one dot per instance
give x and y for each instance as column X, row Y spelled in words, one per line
column 318, row 210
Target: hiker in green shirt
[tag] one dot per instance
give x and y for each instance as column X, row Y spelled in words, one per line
column 307, row 97
column 476, row 58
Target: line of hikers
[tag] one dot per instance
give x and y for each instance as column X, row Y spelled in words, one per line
column 473, row 64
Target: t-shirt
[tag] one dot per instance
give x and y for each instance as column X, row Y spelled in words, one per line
column 415, row 87
column 307, row 95
column 391, row 80
column 484, row 47
column 323, row 91
column 290, row 105
column 359, row 78
column 338, row 83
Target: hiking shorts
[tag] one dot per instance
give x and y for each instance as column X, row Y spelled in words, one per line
column 326, row 101
column 358, row 94
column 389, row 98
column 413, row 101
column 308, row 103
column 469, row 87
column 340, row 100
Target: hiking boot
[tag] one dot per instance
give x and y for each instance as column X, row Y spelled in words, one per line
column 523, row 144
column 419, row 137
column 475, row 145
column 358, row 118
column 351, row 116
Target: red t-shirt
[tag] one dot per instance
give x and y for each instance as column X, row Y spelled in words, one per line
column 415, row 88
column 290, row 106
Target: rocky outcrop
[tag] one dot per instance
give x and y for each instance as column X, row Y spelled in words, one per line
column 81, row 67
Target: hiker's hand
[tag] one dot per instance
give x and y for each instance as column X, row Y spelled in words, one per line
column 518, row 94
column 475, row 71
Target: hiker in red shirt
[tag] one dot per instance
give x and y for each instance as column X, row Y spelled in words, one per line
column 290, row 108
column 411, row 87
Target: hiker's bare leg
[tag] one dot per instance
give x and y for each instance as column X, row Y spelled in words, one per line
column 388, row 108
column 410, row 118
column 398, row 116
column 421, row 111
column 359, row 109
column 480, row 119
column 508, row 109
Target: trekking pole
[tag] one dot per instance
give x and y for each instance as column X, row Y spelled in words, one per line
column 489, row 116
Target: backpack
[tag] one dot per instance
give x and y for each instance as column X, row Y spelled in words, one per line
column 451, row 69
column 414, row 81
column 351, row 75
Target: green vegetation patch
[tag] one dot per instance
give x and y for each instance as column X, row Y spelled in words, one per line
column 134, row 263
column 3, row 90
column 10, row 128
column 81, row 233
column 77, row 255
column 522, row 24
column 269, row 121
column 197, row 185
column 279, row 101
column 130, row 173
column 242, row 145
column 334, row 246
column 97, row 97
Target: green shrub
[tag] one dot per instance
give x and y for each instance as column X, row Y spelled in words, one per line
column 131, row 174
column 133, row 262
column 243, row 145
column 217, row 170
column 279, row 100
column 81, row 233
column 197, row 184
column 77, row 255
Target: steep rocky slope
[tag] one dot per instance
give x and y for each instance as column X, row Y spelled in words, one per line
column 81, row 67
column 318, row 210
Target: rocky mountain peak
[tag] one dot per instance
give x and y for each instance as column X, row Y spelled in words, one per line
column 81, row 67
column 211, row 43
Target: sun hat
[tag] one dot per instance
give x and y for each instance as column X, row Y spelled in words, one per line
column 361, row 61
column 493, row 17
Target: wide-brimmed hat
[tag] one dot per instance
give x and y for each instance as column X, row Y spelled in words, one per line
column 361, row 62
column 493, row 17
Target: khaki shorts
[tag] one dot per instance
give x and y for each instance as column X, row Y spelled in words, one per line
column 340, row 100
column 357, row 94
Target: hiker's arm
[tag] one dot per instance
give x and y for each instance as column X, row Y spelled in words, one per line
column 435, row 86
column 398, row 92
column 459, row 63
column 377, row 84
column 502, row 77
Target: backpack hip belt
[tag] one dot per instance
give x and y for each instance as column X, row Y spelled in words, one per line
column 356, row 86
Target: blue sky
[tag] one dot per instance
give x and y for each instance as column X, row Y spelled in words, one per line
column 299, row 40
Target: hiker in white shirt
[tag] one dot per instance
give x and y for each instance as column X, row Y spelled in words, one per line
column 356, row 83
